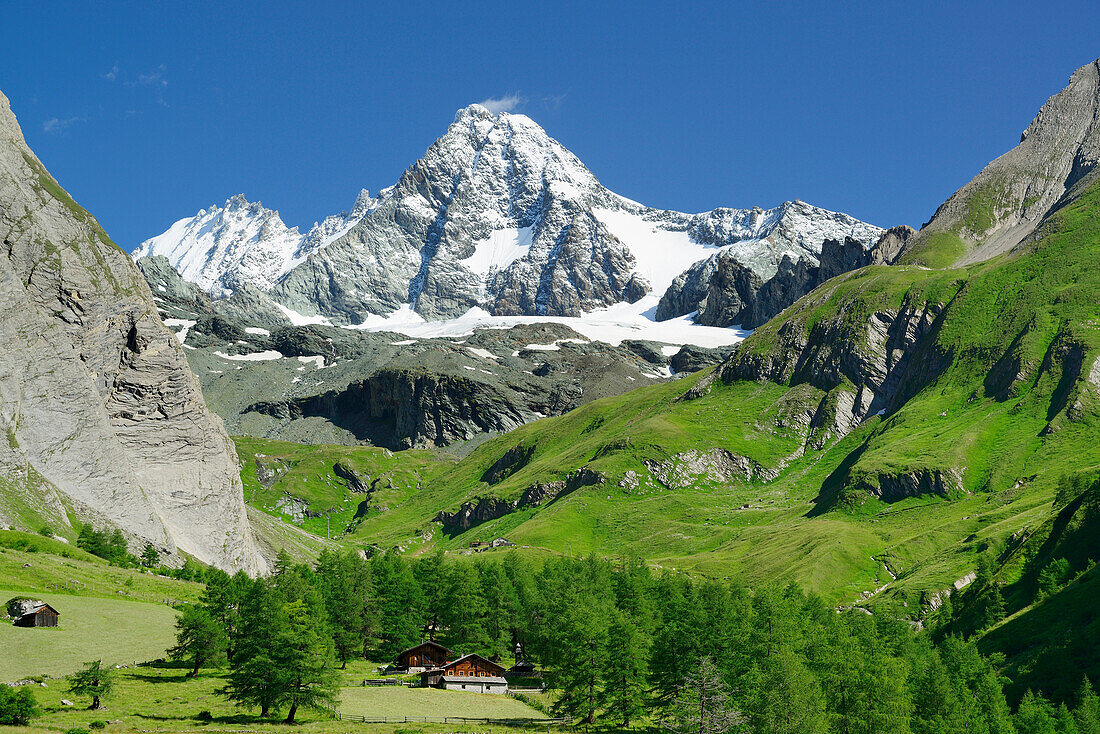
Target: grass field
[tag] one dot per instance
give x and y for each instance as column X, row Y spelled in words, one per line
column 397, row 701
column 162, row 699
column 116, row 631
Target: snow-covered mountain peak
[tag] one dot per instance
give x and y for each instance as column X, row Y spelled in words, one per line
column 497, row 215
column 244, row 243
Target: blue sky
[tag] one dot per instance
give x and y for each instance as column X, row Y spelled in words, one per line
column 146, row 112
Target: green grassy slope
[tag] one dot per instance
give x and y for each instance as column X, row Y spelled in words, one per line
column 90, row 628
column 53, row 566
column 995, row 403
column 1052, row 632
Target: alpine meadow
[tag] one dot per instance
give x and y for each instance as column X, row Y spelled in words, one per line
column 499, row 449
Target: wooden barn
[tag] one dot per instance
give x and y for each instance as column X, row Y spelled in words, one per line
column 425, row 656
column 41, row 616
column 468, row 673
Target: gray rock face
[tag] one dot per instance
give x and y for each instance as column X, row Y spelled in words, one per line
column 891, row 245
column 861, row 370
column 97, row 402
column 898, row 486
column 1055, row 161
column 718, row 466
column 692, row 359
column 726, row 292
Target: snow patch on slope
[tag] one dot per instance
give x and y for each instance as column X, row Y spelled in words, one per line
column 610, row 325
column 499, row 250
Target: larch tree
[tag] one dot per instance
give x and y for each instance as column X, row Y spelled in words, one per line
column 625, row 674
column 304, row 660
column 93, row 680
column 199, row 638
column 789, row 699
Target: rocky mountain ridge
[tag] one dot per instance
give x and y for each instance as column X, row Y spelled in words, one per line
column 499, row 216
column 243, row 244
column 104, row 421
column 1000, row 208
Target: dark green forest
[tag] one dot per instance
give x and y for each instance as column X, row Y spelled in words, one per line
column 620, row 646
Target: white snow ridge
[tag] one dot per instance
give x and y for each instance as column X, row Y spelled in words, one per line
column 243, row 243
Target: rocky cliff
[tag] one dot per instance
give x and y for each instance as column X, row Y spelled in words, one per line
column 104, row 420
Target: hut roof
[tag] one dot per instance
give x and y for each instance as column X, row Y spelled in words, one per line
column 428, row 643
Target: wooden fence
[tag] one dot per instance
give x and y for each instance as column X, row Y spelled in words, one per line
column 518, row 722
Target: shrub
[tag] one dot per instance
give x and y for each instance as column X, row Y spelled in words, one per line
column 77, row 730
column 205, row 715
column 17, row 706
column 97, row 724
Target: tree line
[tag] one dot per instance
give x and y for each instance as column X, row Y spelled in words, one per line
column 618, row 644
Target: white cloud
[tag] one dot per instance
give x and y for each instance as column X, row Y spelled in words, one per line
column 112, row 74
column 507, row 103
column 57, row 124
column 154, row 77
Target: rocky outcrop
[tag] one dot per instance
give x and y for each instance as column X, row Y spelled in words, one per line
column 96, row 398
column 512, row 461
column 892, row 244
column 892, row 487
column 483, row 509
column 354, row 482
column 400, row 409
column 865, row 363
column 691, row 468
column 692, row 359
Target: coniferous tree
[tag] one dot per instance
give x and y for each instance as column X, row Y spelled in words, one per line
column 1035, row 715
column 889, row 704
column 702, row 704
column 1087, row 710
column 937, row 709
column 344, row 582
column 223, row 599
column 502, row 606
column 93, row 680
column 789, row 699
column 304, row 661
column 576, row 670
column 679, row 639
column 624, row 676
column 199, row 638
column 990, row 698
column 1064, row 721
column 464, row 608
column 254, row 679
column 399, row 601
column 149, row 556
column 431, row 581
